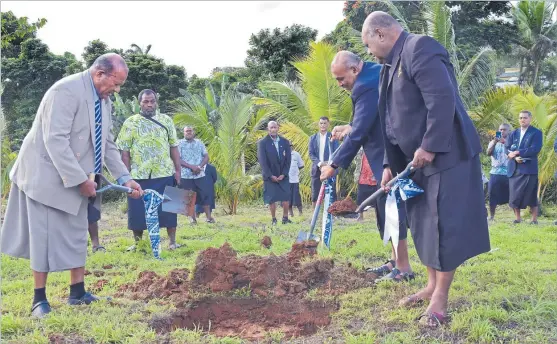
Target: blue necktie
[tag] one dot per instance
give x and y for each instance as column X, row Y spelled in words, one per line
column 98, row 136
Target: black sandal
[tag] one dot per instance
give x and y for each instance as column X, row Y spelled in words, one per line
column 98, row 248
column 382, row 270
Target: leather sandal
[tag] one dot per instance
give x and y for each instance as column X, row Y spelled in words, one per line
column 432, row 319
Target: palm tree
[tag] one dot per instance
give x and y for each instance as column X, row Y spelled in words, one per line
column 136, row 49
column 228, row 125
column 537, row 36
column 122, row 110
column 299, row 106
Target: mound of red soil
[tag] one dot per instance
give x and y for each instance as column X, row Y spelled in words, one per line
column 249, row 318
column 277, row 283
column 345, row 206
column 221, row 270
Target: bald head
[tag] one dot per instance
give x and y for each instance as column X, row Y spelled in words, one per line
column 380, row 33
column 109, row 72
column 345, row 68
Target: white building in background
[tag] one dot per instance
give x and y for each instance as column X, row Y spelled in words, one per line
column 508, row 77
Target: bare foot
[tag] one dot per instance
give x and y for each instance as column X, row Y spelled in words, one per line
column 438, row 304
column 417, row 298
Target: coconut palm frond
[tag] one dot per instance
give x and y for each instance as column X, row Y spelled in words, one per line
column 395, row 12
column 477, row 77
column 440, row 27
column 324, row 96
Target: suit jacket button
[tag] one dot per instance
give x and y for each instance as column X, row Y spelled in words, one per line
column 81, row 137
column 77, row 155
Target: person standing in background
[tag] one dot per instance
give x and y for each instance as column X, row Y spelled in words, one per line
column 296, row 164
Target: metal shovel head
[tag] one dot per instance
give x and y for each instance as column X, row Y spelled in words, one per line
column 178, row 201
column 303, row 236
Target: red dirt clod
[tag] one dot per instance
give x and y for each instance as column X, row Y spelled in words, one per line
column 266, row 242
column 99, row 285
column 108, row 266
column 149, row 285
column 345, row 206
column 98, row 273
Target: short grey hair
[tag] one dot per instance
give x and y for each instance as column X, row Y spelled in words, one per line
column 506, row 125
column 272, row 122
column 108, row 62
column 189, row 127
column 347, row 58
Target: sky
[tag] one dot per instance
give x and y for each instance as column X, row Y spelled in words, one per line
column 195, row 34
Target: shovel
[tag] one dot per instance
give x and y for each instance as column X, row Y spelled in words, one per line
column 109, row 186
column 380, row 192
column 178, row 201
column 303, row 236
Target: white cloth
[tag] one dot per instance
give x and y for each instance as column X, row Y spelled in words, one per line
column 322, row 145
column 522, row 132
column 295, row 164
column 391, row 222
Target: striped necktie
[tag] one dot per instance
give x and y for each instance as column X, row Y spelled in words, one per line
column 98, row 136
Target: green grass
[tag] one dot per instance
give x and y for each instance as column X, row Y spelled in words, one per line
column 505, row 296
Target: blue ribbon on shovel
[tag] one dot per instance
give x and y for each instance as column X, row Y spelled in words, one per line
column 152, row 200
column 401, row 188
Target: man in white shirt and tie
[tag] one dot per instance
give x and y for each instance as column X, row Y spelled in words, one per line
column 320, row 149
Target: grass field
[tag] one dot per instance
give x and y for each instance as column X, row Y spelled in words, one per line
column 506, row 296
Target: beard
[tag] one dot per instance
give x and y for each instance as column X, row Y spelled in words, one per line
column 148, row 113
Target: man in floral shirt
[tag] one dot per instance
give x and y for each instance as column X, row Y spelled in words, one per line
column 194, row 157
column 149, row 146
column 498, row 181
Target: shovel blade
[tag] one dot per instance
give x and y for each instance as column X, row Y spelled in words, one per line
column 177, row 201
column 303, row 236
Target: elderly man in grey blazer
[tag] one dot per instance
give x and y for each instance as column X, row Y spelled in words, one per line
column 46, row 215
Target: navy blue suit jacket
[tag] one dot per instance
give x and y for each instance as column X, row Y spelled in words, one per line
column 366, row 129
column 529, row 148
column 211, row 173
column 269, row 160
column 314, row 152
column 422, row 98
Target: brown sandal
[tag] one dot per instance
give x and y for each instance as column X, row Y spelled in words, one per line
column 432, row 319
column 411, row 301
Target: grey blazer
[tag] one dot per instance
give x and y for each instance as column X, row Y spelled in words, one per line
column 58, row 153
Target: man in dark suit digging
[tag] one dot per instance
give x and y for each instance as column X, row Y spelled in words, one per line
column 362, row 80
column 423, row 120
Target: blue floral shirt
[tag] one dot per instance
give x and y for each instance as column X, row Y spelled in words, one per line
column 499, row 160
column 192, row 152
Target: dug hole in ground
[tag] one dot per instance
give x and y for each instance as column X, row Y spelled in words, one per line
column 251, row 296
